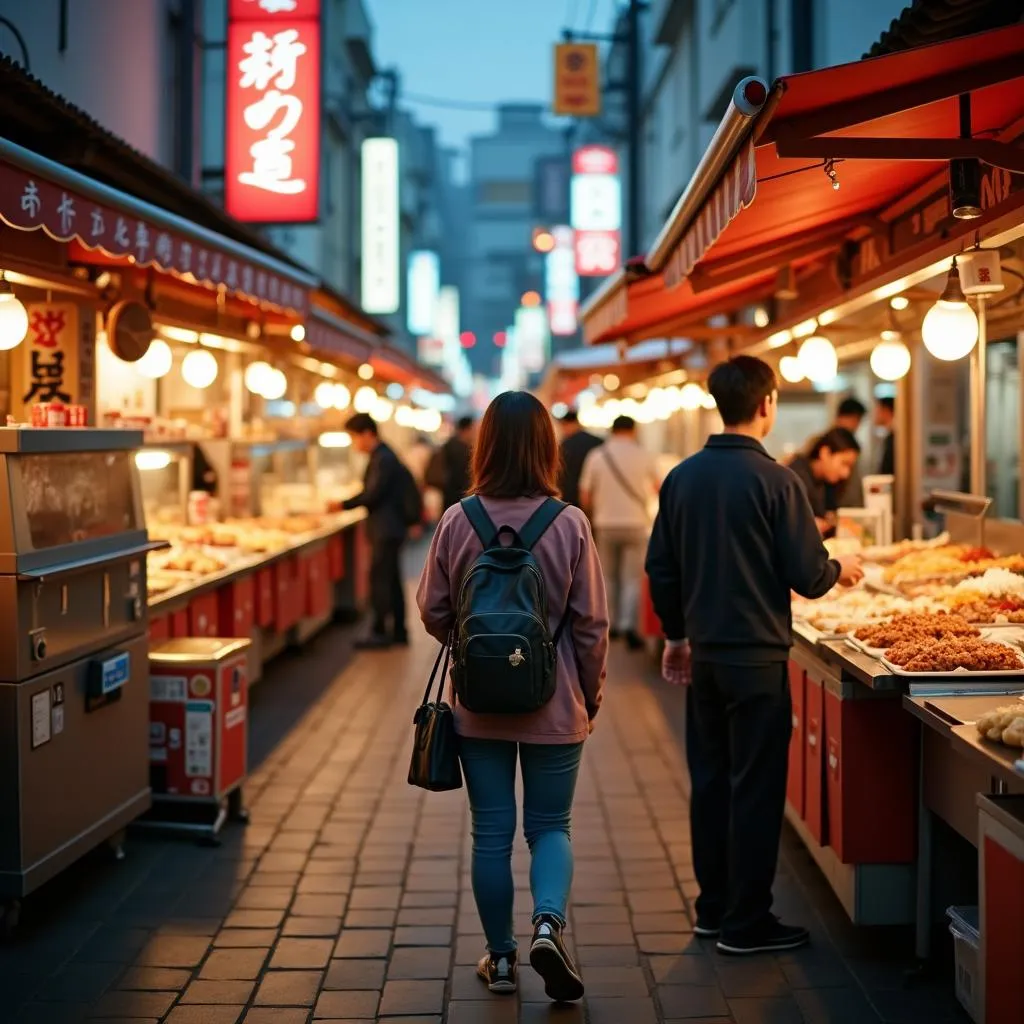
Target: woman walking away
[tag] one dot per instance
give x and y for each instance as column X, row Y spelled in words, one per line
column 527, row 682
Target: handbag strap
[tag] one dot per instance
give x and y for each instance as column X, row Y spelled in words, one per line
column 620, row 478
column 444, row 652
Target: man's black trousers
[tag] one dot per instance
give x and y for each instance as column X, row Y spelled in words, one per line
column 387, row 595
column 738, row 725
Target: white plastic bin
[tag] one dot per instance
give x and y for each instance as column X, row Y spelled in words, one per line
column 963, row 924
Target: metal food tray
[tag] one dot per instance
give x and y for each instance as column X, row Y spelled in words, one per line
column 871, row 652
column 961, row 673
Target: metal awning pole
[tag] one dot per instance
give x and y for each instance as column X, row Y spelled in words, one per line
column 979, row 483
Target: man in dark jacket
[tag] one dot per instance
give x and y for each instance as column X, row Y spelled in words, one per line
column 885, row 415
column 457, row 455
column 734, row 535
column 386, row 528
column 576, row 445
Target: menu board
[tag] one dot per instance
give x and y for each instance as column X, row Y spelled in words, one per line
column 74, row 497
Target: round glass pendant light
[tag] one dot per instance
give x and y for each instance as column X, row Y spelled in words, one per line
column 257, row 376
column 199, row 368
column 13, row 318
column 950, row 327
column 789, row 367
column 342, row 397
column 818, row 360
column 323, row 395
column 692, row 396
column 157, row 361
column 890, row 360
column 365, row 399
column 276, row 385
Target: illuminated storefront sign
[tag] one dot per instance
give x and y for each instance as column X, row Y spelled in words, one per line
column 424, row 284
column 596, row 210
column 561, row 283
column 532, row 339
column 380, row 292
column 272, row 127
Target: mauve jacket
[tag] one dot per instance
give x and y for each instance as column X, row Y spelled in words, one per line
column 572, row 573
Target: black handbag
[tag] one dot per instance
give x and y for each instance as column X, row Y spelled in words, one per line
column 435, row 753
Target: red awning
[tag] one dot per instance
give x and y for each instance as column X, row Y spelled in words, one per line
column 37, row 194
column 728, row 254
column 333, row 336
column 394, row 365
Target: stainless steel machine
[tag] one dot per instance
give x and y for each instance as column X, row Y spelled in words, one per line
column 74, row 680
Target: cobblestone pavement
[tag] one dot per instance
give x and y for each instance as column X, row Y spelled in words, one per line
column 347, row 898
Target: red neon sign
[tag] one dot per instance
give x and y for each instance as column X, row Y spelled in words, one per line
column 272, row 146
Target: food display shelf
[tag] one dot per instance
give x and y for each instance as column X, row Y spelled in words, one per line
column 168, row 600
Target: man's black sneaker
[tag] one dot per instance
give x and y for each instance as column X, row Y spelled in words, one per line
column 551, row 960
column 499, row 971
column 374, row 642
column 772, row 937
column 707, row 929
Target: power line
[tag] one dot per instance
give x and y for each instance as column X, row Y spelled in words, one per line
column 451, row 104
column 572, row 8
column 590, row 16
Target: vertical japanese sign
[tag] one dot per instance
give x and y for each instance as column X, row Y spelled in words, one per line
column 272, row 149
column 424, row 285
column 532, row 338
column 47, row 367
column 596, row 210
column 380, row 291
column 562, row 283
column 577, row 80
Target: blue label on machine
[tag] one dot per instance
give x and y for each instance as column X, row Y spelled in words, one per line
column 114, row 672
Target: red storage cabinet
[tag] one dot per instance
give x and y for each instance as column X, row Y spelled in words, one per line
column 814, row 740
column 264, row 597
column 288, row 594
column 204, row 616
column 798, row 739
column 336, row 558
column 1001, row 905
column 871, row 771
column 159, row 628
column 238, row 607
column 318, row 587
column 179, row 623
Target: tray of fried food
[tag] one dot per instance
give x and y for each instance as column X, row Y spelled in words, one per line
column 1003, row 725
column 875, row 639
column 954, row 656
column 841, row 613
column 194, row 561
column 948, row 564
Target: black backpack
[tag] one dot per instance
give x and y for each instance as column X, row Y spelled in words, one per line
column 503, row 649
column 412, row 497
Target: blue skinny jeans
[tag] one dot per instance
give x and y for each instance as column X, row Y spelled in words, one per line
column 549, row 784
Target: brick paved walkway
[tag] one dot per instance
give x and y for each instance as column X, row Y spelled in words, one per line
column 347, row 898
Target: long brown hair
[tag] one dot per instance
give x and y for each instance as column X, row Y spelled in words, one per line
column 516, row 453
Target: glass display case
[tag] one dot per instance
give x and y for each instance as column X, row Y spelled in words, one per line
column 165, row 473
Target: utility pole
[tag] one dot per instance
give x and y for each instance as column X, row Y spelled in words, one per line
column 634, row 87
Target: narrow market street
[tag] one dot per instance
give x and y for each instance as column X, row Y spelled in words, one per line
column 347, row 897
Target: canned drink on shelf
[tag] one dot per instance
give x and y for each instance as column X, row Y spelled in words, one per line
column 39, row 415
column 77, row 416
column 56, row 415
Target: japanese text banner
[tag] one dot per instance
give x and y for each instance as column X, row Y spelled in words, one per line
column 29, row 202
column 272, row 127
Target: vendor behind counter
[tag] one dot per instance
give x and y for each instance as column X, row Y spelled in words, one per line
column 827, row 464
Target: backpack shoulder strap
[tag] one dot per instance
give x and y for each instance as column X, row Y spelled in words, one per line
column 479, row 520
column 537, row 525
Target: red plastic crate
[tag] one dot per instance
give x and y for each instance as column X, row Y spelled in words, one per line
column 797, row 740
column 204, row 616
column 319, row 590
column 238, row 607
column 288, row 594
column 336, row 557
column 871, row 769
column 814, row 763
column 264, row 597
column 179, row 623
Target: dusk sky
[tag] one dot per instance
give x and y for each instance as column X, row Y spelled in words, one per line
column 476, row 51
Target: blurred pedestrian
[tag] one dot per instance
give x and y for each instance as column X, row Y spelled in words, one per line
column 452, row 472
column 576, row 445
column 850, row 494
column 824, row 468
column 885, row 417
column 515, row 472
column 391, row 499
column 734, row 536
column 618, row 485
